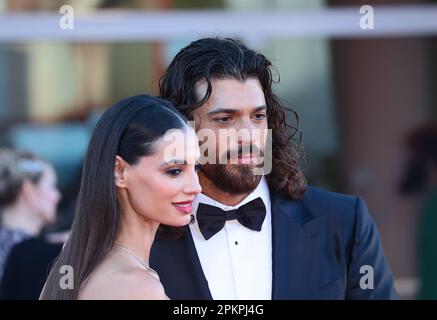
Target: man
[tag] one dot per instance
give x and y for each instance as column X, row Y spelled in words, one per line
column 259, row 236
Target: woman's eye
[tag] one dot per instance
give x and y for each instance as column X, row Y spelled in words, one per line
column 174, row 172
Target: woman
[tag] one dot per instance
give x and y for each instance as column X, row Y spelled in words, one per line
column 28, row 198
column 129, row 186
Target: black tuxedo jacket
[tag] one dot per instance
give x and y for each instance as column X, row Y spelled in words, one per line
column 324, row 246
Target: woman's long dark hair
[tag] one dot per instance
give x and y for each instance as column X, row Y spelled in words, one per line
column 215, row 58
column 128, row 129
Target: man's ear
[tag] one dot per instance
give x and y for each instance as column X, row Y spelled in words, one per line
column 120, row 172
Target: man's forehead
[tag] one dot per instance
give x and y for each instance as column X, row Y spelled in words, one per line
column 231, row 94
column 202, row 85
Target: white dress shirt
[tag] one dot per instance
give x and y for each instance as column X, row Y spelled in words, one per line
column 237, row 261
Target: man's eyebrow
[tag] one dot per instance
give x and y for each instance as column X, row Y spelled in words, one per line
column 230, row 110
column 260, row 108
column 222, row 110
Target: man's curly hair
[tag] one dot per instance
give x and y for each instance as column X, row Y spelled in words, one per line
column 216, row 58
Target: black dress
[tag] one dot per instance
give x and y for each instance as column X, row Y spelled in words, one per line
column 8, row 239
column 27, row 269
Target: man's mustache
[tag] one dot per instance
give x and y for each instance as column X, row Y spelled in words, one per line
column 242, row 151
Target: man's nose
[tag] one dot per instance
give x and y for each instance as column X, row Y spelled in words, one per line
column 245, row 132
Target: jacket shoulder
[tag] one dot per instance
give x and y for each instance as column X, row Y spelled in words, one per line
column 325, row 202
column 342, row 212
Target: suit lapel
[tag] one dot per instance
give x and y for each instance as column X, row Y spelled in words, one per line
column 296, row 248
column 178, row 264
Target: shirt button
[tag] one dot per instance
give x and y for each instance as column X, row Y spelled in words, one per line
column 236, row 243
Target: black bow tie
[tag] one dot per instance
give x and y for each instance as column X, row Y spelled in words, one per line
column 212, row 219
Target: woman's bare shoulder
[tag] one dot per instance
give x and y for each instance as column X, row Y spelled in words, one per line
column 131, row 283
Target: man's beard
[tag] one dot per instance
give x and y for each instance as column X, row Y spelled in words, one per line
column 234, row 179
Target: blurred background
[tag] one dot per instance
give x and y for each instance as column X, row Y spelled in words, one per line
column 364, row 96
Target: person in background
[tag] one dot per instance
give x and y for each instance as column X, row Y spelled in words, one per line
column 28, row 198
column 420, row 177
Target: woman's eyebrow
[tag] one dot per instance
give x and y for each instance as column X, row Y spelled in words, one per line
column 174, row 161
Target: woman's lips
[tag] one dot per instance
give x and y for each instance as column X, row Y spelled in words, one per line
column 184, row 207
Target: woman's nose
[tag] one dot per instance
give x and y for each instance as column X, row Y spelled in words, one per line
column 193, row 185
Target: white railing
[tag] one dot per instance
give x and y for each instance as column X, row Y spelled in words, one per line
column 110, row 26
